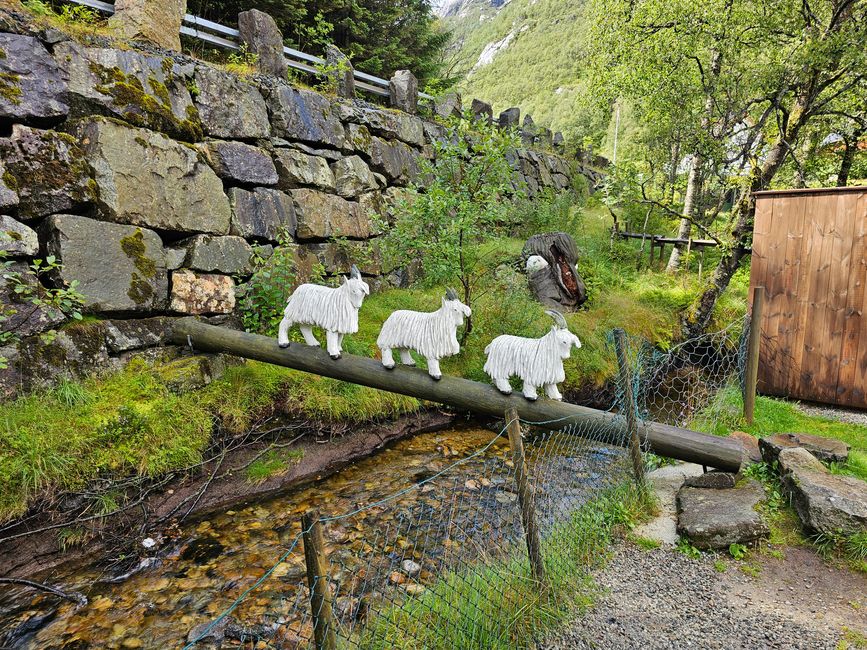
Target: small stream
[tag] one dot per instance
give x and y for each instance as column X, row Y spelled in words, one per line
column 210, row 563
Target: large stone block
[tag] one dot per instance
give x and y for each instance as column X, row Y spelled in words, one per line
column 202, row 293
column 297, row 169
column 241, row 163
column 340, row 72
column 449, row 105
column 119, row 268
column 228, row 106
column 263, row 38
column 47, row 170
column 16, row 239
column 8, row 196
column 137, row 333
column 144, row 90
column 715, row 519
column 322, row 215
column 32, row 86
column 398, row 161
column 389, row 124
column 229, row 254
column 157, row 22
column 510, row 118
column 829, row 450
column 262, row 213
column 826, row 503
column 353, row 177
column 339, row 258
column 482, row 111
column 403, row 91
column 304, row 115
column 146, row 179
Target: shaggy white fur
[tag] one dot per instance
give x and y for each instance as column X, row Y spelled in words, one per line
column 333, row 309
column 538, row 362
column 431, row 334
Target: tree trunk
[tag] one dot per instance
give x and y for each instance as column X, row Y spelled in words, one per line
column 851, row 144
column 694, row 183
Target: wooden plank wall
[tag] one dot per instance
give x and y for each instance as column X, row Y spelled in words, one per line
column 810, row 254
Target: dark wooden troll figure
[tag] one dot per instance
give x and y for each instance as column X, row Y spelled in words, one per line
column 550, row 260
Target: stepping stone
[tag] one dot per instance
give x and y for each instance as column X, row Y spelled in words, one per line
column 825, row 502
column 825, row 449
column 712, row 480
column 714, row 519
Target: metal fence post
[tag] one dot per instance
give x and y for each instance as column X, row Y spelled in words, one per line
column 324, row 627
column 752, row 361
column 525, row 497
column 629, row 406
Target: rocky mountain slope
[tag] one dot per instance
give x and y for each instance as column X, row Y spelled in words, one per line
column 522, row 53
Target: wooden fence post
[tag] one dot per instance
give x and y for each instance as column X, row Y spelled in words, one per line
column 525, row 498
column 324, row 626
column 752, row 362
column 629, row 406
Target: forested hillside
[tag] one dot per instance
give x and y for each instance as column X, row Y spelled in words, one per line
column 525, row 53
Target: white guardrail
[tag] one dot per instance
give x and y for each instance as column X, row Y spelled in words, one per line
column 221, row 36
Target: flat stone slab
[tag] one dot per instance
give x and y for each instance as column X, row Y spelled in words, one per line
column 712, row 480
column 714, row 519
column 825, row 502
column 825, row 449
column 666, row 481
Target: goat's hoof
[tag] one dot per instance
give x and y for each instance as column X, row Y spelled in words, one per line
column 436, row 377
column 505, row 392
column 334, row 356
column 387, row 367
column 531, row 399
column 283, row 346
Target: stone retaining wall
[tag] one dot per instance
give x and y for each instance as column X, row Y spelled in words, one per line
column 153, row 178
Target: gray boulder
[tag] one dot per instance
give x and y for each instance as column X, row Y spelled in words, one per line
column 304, row 115
column 712, row 480
column 557, row 283
column 449, row 105
column 403, row 91
column 155, row 22
column 118, row 268
column 137, row 333
column 47, row 170
column 16, row 239
column 341, row 71
column 558, row 141
column 510, row 118
column 74, row 353
column 482, row 111
column 322, row 215
column 241, row 163
column 32, row 86
column 389, row 124
column 202, row 293
column 263, row 38
column 715, row 519
column 262, row 213
column 20, row 316
column 829, row 450
column 228, row 106
column 339, row 258
column 229, row 254
column 825, row 502
column 298, row 169
column 144, row 90
column 396, row 160
column 146, row 179
column 353, row 177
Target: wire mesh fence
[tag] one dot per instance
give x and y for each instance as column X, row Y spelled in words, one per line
column 494, row 548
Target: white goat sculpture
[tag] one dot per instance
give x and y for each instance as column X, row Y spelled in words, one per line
column 333, row 309
column 431, row 334
column 539, row 362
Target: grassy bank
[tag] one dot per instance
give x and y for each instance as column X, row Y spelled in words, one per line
column 496, row 604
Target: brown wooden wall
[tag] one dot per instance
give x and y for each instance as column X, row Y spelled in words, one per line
column 810, row 254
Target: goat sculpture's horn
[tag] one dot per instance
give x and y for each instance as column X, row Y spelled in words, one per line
column 559, row 320
column 451, row 294
column 354, row 273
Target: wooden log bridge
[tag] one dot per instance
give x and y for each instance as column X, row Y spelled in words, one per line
column 463, row 394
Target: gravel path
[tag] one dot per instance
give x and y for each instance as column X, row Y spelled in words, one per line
column 839, row 413
column 662, row 599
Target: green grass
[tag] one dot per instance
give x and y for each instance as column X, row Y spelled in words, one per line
column 272, row 463
column 496, row 604
column 724, row 415
column 132, row 423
